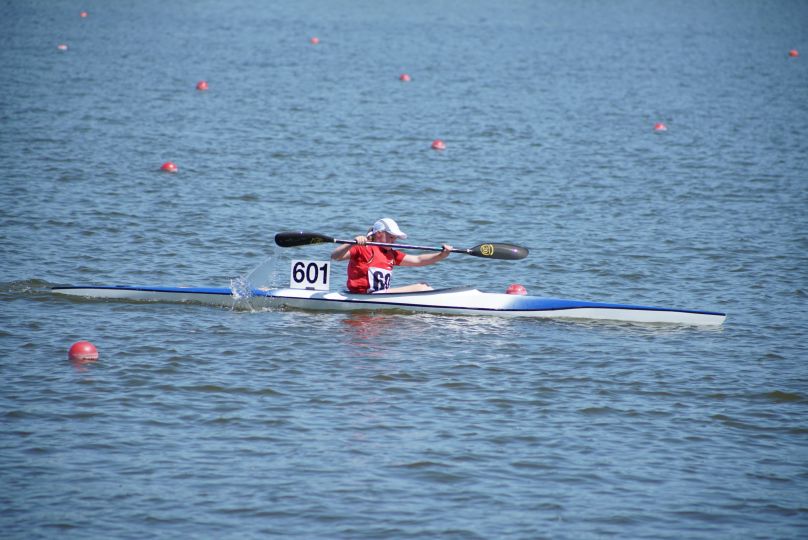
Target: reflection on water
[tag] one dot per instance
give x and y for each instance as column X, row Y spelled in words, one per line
column 364, row 332
column 82, row 364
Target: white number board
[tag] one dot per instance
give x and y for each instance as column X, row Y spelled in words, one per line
column 312, row 275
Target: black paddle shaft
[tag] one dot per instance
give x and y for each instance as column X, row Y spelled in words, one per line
column 508, row 252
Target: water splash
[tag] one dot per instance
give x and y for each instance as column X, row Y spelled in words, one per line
column 265, row 274
column 241, row 288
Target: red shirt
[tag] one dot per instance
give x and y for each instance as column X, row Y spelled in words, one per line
column 371, row 267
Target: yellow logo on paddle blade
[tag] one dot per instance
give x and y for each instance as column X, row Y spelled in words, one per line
column 487, row 250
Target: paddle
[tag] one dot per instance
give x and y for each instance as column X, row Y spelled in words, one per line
column 507, row 252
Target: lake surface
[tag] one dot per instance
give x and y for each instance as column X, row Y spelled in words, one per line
column 207, row 422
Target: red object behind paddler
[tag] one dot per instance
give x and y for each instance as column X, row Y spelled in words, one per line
column 516, row 288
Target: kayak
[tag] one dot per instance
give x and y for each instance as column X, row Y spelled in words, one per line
column 454, row 301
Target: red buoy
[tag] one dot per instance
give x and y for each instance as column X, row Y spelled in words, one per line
column 404, row 78
column 202, row 85
column 62, row 47
column 438, row 144
column 315, row 40
column 169, row 166
column 83, row 351
column 793, row 53
column 659, row 126
column 83, row 14
column 515, row 288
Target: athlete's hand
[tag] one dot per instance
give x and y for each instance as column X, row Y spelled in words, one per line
column 361, row 240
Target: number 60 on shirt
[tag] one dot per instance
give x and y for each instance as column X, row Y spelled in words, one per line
column 312, row 275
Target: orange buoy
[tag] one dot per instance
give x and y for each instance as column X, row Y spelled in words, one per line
column 202, row 85
column 404, row 78
column 659, row 126
column 793, row 53
column 314, row 40
column 515, row 288
column 438, row 144
column 83, row 14
column 169, row 166
column 62, row 47
column 83, row 351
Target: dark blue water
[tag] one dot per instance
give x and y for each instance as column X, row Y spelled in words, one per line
column 207, row 422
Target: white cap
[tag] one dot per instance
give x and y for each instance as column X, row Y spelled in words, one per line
column 389, row 226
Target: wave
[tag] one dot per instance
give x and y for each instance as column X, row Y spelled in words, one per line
column 25, row 287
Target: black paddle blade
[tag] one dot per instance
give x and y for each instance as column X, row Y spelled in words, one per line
column 301, row 238
column 506, row 252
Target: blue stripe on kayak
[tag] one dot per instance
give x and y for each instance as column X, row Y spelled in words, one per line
column 195, row 290
column 570, row 305
column 517, row 304
column 555, row 304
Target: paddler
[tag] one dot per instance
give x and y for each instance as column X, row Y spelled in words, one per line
column 370, row 268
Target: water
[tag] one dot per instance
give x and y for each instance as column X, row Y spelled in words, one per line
column 208, row 422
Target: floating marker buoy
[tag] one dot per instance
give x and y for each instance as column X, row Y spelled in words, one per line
column 83, row 14
column 404, row 78
column 61, row 47
column 793, row 53
column 659, row 126
column 438, row 144
column 515, row 288
column 315, row 40
column 169, row 166
column 202, row 85
column 82, row 351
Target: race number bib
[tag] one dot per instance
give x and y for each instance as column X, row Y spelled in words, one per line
column 379, row 279
column 312, row 275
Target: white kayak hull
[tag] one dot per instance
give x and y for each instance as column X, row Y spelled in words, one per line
column 458, row 301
